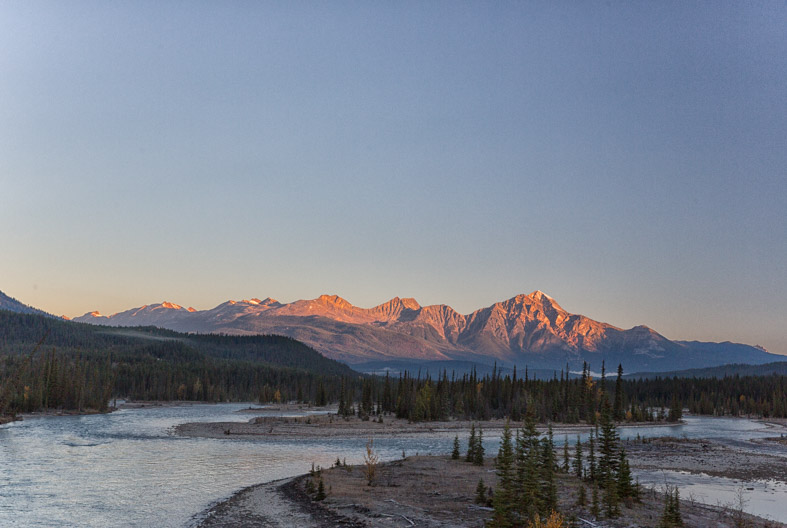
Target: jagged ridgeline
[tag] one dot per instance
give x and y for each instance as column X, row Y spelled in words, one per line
column 50, row 363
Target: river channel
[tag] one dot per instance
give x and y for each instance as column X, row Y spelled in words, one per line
column 128, row 469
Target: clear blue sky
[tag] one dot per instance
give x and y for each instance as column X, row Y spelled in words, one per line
column 627, row 158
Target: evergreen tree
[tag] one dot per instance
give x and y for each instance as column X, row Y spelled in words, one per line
column 527, row 470
column 617, row 409
column 471, row 444
column 480, row 493
column 608, row 447
column 671, row 518
column 582, row 497
column 565, row 455
column 592, row 459
column 455, row 453
column 675, row 409
column 478, row 454
column 625, row 487
column 320, row 490
column 578, row 459
column 504, row 497
column 595, row 508
column 548, row 486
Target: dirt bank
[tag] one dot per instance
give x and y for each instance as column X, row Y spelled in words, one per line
column 426, row 491
column 705, row 456
column 331, row 425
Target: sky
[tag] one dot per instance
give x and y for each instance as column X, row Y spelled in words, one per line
column 627, row 158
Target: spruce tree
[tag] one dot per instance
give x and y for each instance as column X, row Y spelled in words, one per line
column 592, row 459
column 595, row 508
column 504, row 498
column 617, row 409
column 527, row 469
column 320, row 491
column 578, row 459
column 625, row 488
column 582, row 497
column 478, row 455
column 548, row 486
column 565, row 455
column 608, row 447
column 471, row 444
column 671, row 518
column 480, row 493
column 455, row 453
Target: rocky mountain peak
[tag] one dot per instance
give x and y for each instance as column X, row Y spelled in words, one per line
column 334, row 300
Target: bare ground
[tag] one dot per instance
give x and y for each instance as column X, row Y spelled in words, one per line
column 433, row 492
column 705, row 456
column 438, row 492
column 330, row 425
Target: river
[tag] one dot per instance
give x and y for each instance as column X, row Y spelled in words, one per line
column 127, row 469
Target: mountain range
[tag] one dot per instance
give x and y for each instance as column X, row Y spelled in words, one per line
column 526, row 330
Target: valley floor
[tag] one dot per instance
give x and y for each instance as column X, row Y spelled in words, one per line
column 430, row 491
column 439, row 492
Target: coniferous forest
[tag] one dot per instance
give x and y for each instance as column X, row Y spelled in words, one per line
column 47, row 363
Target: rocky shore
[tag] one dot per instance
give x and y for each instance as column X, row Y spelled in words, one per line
column 430, row 491
column 438, row 492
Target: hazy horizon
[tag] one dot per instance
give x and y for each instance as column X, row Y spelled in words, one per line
column 628, row 159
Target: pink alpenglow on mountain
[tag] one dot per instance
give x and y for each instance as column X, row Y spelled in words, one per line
column 524, row 330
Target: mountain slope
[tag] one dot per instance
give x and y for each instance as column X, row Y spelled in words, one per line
column 12, row 305
column 21, row 333
column 529, row 330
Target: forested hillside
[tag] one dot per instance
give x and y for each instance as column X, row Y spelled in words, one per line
column 49, row 363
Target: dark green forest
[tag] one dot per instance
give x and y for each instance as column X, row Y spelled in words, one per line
column 46, row 363
column 571, row 400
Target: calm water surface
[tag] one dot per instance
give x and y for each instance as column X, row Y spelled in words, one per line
column 128, row 469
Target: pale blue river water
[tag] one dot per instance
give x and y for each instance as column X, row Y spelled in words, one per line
column 127, row 469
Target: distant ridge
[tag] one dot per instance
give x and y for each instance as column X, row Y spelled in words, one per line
column 12, row 305
column 526, row 330
column 722, row 371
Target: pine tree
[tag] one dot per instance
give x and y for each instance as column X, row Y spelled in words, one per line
column 527, row 469
column 617, row 409
column 611, row 499
column 548, row 486
column 455, row 453
column 595, row 508
column 578, row 459
column 504, row 498
column 675, row 409
column 480, row 493
column 565, row 455
column 471, row 444
column 478, row 455
column 582, row 497
column 671, row 518
column 320, row 491
column 608, row 447
column 625, row 488
column 592, row 459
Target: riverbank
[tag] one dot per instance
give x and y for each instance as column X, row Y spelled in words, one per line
column 331, row 425
column 4, row 419
column 432, row 491
column 702, row 456
column 281, row 503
